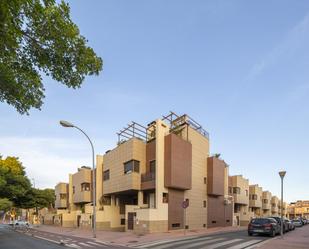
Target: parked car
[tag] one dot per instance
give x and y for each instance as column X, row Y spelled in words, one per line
column 285, row 225
column 267, row 226
column 290, row 224
column 305, row 221
column 297, row 223
column 20, row 223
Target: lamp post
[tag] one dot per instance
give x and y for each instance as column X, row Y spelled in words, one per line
column 282, row 174
column 68, row 124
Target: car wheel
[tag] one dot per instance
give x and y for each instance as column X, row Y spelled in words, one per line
column 273, row 233
column 250, row 234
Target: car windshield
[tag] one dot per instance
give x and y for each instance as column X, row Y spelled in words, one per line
column 296, row 221
column 260, row 221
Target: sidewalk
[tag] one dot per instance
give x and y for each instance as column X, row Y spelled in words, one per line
column 129, row 238
column 299, row 238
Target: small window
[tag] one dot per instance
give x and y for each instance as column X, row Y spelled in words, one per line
column 246, row 192
column 63, row 196
column 152, row 165
column 145, row 198
column 106, row 175
column 131, row 166
column 85, row 186
column 204, row 225
column 205, row 180
column 204, row 203
column 236, row 190
column 106, row 200
column 214, row 222
column 165, row 197
column 122, row 221
column 176, row 225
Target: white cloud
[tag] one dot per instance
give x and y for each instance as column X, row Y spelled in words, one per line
column 47, row 160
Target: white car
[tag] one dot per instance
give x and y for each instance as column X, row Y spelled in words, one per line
column 20, row 223
column 297, row 223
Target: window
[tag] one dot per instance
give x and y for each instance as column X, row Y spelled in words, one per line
column 165, row 197
column 152, row 165
column 73, row 189
column 131, row 166
column 106, row 200
column 176, row 225
column 265, row 201
column 205, row 180
column 236, row 190
column 230, row 190
column 246, row 192
column 122, row 221
column 63, row 196
column 145, row 198
column 253, row 197
column 204, row 203
column 106, row 175
column 85, row 186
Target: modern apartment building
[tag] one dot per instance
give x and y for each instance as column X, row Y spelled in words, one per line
column 298, row 209
column 239, row 188
column 275, row 204
column 62, row 195
column 266, row 204
column 144, row 182
column 255, row 200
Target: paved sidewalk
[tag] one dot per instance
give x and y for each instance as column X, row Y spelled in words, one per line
column 129, row 238
column 297, row 239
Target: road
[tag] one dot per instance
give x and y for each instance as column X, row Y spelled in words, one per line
column 231, row 240
column 35, row 239
column 10, row 239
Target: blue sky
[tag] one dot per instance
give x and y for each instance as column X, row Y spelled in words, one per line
column 239, row 68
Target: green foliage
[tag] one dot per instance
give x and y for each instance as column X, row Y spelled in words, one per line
column 5, row 204
column 14, row 183
column 16, row 187
column 38, row 36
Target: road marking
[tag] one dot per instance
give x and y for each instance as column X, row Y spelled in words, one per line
column 93, row 243
column 84, row 244
column 223, row 243
column 197, row 244
column 73, row 245
column 245, row 244
column 166, row 244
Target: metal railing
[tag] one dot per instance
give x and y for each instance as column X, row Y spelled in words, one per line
column 147, row 177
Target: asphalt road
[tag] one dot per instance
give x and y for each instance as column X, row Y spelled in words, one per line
column 19, row 238
column 10, row 240
column 231, row 240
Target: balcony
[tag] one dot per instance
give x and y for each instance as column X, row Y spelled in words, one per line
column 148, row 181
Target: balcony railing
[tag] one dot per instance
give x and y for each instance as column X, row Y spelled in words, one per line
column 148, row 177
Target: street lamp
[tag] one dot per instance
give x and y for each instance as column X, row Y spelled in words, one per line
column 70, row 125
column 282, row 174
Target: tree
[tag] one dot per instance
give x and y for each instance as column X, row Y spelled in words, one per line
column 14, row 184
column 38, row 37
column 5, row 204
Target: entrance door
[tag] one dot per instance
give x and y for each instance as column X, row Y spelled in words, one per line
column 78, row 220
column 131, row 216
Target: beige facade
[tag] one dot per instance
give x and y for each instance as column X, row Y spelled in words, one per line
column 298, row 209
column 142, row 183
column 266, row 203
column 62, row 195
column 275, row 206
column 255, row 200
column 239, row 188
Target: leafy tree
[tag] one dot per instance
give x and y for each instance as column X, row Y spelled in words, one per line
column 38, row 36
column 14, row 183
column 5, row 204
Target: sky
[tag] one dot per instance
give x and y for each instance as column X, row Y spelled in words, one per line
column 239, row 68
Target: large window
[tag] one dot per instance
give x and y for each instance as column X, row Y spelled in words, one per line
column 85, row 186
column 131, row 166
column 106, row 175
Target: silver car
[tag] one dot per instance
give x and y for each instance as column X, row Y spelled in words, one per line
column 297, row 223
